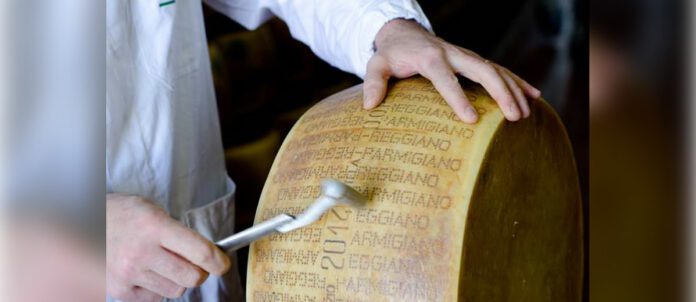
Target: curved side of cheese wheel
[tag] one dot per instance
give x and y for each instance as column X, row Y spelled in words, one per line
column 523, row 239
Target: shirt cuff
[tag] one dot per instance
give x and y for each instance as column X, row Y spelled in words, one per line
column 373, row 20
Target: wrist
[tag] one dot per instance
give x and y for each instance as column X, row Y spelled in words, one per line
column 395, row 26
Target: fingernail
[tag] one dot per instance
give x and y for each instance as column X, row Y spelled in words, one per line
column 368, row 101
column 513, row 112
column 537, row 93
column 470, row 114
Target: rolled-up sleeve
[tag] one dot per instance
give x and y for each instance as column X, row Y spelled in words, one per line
column 341, row 32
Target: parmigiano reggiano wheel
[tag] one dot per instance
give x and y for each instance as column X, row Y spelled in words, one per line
column 484, row 212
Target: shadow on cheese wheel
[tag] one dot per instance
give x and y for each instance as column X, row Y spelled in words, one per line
column 456, row 212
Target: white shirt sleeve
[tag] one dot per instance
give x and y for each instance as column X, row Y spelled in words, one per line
column 341, row 32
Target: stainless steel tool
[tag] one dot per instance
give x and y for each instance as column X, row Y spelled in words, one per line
column 333, row 193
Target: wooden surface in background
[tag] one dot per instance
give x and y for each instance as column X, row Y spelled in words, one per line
column 484, row 212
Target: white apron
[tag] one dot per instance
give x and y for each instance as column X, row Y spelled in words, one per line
column 163, row 134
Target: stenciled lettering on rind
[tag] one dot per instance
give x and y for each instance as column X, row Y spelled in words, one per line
column 383, row 154
column 349, row 173
column 400, row 155
column 396, row 138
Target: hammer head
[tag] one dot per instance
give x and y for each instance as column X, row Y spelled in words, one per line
column 342, row 193
column 333, row 193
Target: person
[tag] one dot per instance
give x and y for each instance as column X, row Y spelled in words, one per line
column 168, row 192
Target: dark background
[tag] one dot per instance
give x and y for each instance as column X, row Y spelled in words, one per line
column 265, row 80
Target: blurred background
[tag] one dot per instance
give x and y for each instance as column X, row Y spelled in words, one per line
column 639, row 151
column 265, row 80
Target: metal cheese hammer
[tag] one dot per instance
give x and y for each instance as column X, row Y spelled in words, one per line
column 333, row 193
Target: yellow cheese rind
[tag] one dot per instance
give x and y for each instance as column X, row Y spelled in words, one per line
column 440, row 224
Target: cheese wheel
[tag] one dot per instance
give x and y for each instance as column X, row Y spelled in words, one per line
column 483, row 212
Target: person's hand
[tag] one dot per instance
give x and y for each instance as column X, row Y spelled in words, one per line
column 404, row 48
column 150, row 255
